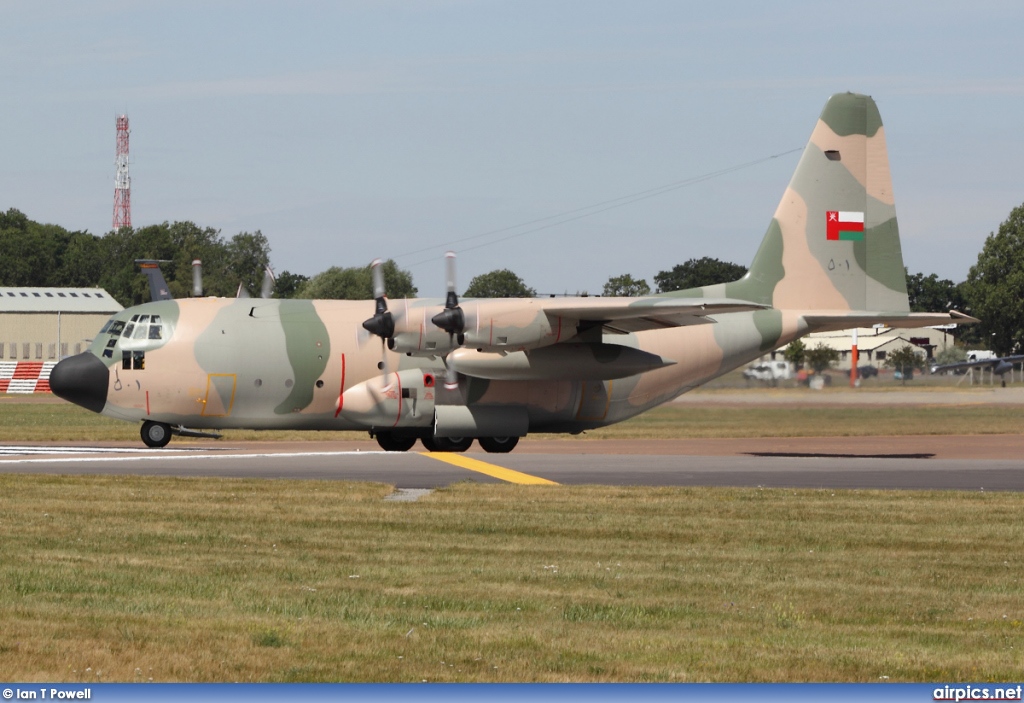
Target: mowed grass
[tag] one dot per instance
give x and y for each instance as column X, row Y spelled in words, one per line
column 35, row 421
column 139, row 578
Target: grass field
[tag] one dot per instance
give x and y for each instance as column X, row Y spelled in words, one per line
column 140, row 578
column 24, row 420
column 132, row 579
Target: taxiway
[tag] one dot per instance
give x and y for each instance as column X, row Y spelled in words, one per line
column 956, row 463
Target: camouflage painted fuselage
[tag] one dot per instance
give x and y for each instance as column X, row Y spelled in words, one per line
column 227, row 363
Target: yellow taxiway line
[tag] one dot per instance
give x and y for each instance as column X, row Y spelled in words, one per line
column 483, row 467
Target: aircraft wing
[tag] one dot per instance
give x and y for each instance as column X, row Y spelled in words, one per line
column 647, row 313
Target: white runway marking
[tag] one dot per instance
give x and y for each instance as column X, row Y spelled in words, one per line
column 197, row 455
column 14, row 450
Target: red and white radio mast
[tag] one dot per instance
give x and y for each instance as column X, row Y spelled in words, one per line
column 122, row 182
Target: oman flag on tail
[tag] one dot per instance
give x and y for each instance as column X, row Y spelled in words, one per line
column 848, row 226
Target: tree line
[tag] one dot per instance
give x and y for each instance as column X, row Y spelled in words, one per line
column 46, row 255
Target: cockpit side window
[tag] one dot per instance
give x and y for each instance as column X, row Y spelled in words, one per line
column 115, row 329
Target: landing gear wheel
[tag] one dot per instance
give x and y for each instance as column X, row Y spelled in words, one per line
column 498, row 445
column 447, row 444
column 390, row 443
column 155, row 434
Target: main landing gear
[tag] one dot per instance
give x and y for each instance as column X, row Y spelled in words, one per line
column 403, row 443
column 155, row 434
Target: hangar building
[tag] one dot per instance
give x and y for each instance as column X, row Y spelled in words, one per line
column 40, row 326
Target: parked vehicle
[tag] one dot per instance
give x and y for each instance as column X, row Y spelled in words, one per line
column 866, row 371
column 770, row 372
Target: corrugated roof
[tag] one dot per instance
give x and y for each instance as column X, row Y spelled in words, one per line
column 42, row 300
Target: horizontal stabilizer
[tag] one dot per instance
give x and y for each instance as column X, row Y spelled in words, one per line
column 822, row 321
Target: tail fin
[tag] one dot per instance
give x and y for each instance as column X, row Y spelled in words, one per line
column 834, row 243
column 157, row 285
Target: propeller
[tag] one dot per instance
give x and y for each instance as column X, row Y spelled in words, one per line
column 197, row 278
column 243, row 292
column 452, row 320
column 267, row 289
column 382, row 323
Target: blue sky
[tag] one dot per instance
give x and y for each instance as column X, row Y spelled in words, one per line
column 350, row 130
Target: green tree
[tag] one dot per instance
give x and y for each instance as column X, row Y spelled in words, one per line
column 356, row 283
column 933, row 294
column 796, row 352
column 288, row 284
column 626, row 285
column 951, row 355
column 822, row 357
column 248, row 255
column 500, row 283
column 694, row 273
column 995, row 286
column 81, row 262
column 905, row 360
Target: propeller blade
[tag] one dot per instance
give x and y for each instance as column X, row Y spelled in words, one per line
column 377, row 271
column 452, row 320
column 382, row 323
column 243, row 292
column 197, row 278
column 267, row 289
column 451, row 374
column 449, row 274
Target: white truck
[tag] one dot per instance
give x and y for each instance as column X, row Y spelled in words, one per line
column 770, row 372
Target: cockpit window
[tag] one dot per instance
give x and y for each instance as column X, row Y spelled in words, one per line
column 128, row 329
column 106, row 326
column 154, row 332
column 141, row 331
column 115, row 329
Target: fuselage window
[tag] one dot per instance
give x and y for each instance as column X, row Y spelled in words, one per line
column 133, row 360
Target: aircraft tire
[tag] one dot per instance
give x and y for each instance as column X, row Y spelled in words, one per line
column 498, row 445
column 155, row 434
column 447, row 444
column 390, row 443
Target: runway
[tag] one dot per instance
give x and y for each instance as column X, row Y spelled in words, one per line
column 952, row 463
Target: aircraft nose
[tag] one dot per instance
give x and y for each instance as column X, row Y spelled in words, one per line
column 82, row 380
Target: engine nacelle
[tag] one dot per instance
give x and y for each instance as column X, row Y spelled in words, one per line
column 402, row 399
column 490, row 325
column 575, row 361
column 503, row 325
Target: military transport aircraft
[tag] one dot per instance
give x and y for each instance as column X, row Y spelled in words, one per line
column 446, row 372
column 998, row 366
